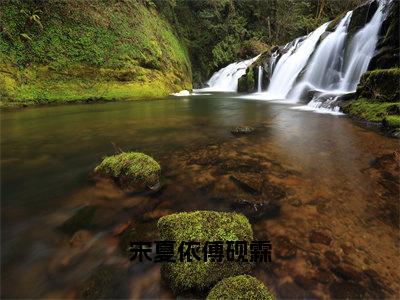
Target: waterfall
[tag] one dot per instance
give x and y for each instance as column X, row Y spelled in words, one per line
column 272, row 61
column 226, row 79
column 259, row 83
column 336, row 69
column 291, row 63
column 324, row 65
column 335, row 66
column 324, row 70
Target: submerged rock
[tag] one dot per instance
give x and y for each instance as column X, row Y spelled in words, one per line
column 202, row 226
column 243, row 287
column 242, row 130
column 82, row 219
column 284, row 247
column 132, row 171
column 347, row 290
column 257, row 210
column 104, row 283
column 319, row 238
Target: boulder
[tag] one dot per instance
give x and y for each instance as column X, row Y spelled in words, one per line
column 132, row 171
column 202, row 226
column 380, row 85
column 243, row 287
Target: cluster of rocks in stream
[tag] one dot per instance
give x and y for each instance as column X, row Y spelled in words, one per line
column 239, row 181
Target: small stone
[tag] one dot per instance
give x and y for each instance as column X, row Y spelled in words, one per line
column 121, row 228
column 284, row 248
column 347, row 273
column 82, row 219
column 242, row 130
column 324, row 276
column 80, row 238
column 346, row 290
column 332, row 257
column 319, row 238
column 295, row 203
column 304, row 281
column 290, row 290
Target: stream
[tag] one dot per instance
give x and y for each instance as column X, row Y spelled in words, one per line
column 333, row 183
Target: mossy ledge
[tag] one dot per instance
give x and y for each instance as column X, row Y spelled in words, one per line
column 377, row 98
column 131, row 170
column 202, row 226
column 242, row 287
column 68, row 51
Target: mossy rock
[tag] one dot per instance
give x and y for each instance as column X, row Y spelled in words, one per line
column 203, row 226
column 372, row 111
column 243, row 287
column 392, row 121
column 131, row 170
column 247, row 83
column 380, row 85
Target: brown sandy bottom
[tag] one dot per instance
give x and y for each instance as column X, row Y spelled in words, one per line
column 334, row 226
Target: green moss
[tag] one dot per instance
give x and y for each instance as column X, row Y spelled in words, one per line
column 372, row 111
column 392, row 121
column 246, row 83
column 243, row 287
column 380, row 85
column 131, row 168
column 202, row 226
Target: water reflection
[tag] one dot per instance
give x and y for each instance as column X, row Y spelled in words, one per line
column 48, row 152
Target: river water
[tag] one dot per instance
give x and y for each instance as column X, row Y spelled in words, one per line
column 333, row 184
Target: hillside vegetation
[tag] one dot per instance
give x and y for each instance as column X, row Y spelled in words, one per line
column 60, row 50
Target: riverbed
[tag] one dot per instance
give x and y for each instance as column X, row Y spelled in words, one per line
column 329, row 194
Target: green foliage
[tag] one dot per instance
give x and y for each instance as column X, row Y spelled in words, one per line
column 218, row 31
column 134, row 166
column 380, row 85
column 202, row 226
column 370, row 110
column 76, row 40
column 242, row 287
column 392, row 121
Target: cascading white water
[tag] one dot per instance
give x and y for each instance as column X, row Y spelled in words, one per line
column 328, row 70
column 259, row 81
column 325, row 68
column 226, row 79
column 272, row 61
column 362, row 49
column 291, row 63
column 336, row 69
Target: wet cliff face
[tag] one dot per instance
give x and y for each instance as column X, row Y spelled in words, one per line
column 387, row 55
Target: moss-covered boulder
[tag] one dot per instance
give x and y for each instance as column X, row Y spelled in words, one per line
column 247, row 83
column 243, row 287
column 380, row 85
column 131, row 170
column 203, row 226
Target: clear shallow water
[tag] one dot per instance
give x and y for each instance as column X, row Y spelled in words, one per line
column 321, row 161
